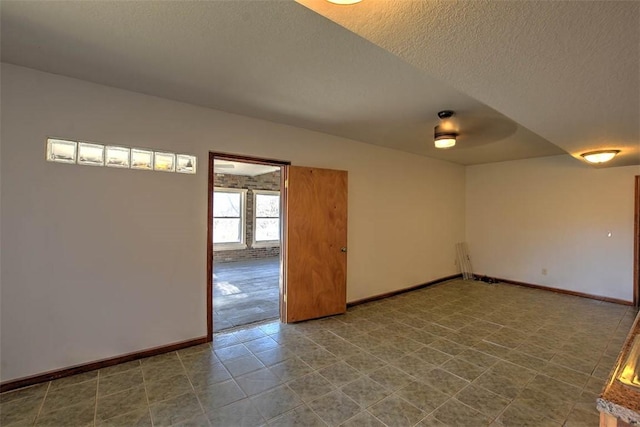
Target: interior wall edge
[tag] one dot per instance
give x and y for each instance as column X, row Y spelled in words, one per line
column 99, row 364
column 401, row 291
column 560, row 290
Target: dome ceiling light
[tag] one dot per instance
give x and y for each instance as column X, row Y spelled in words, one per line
column 344, row 2
column 600, row 156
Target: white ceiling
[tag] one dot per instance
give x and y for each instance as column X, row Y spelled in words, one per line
column 228, row 167
column 555, row 83
column 567, row 70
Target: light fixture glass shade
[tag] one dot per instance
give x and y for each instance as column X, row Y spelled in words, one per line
column 344, row 1
column 601, row 156
column 445, row 141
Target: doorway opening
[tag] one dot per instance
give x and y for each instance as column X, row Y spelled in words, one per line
column 636, row 245
column 245, row 241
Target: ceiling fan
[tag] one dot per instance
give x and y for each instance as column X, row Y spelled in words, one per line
column 445, row 134
column 470, row 130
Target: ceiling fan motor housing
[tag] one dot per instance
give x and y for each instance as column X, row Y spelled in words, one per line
column 445, row 114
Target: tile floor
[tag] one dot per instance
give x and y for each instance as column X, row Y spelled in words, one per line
column 245, row 292
column 456, row 354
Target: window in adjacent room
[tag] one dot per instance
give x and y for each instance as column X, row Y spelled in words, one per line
column 266, row 218
column 229, row 218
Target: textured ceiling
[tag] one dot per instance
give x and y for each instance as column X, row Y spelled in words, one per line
column 280, row 61
column 568, row 71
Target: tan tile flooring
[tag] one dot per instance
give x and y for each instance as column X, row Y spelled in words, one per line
column 456, row 354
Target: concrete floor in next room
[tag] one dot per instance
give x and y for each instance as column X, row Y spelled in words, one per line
column 245, row 292
column 457, row 354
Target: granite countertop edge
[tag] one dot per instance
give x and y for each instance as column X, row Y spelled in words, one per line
column 625, row 414
column 617, row 399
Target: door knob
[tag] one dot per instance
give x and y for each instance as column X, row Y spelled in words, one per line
column 343, row 249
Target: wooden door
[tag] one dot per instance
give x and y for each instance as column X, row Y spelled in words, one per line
column 316, row 244
column 636, row 246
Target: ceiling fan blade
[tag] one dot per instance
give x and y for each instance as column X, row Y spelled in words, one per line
column 477, row 131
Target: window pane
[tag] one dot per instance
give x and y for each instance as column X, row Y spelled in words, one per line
column 267, row 229
column 226, row 230
column 226, row 204
column 267, row 205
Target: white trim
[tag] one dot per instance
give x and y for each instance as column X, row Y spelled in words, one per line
column 228, row 246
column 243, row 220
column 265, row 243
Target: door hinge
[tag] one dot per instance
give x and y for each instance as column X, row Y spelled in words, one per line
column 286, row 183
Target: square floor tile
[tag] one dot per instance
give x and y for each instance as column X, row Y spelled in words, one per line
column 395, row 411
column 167, row 388
column 231, row 352
column 258, row 381
column 482, row 400
column 138, row 418
column 238, row 414
column 335, row 407
column 130, row 400
column 70, row 395
column 310, row 386
column 119, row 382
column 80, row 415
column 291, row 369
column 422, row 396
column 365, row 391
column 20, row 410
column 363, row 419
column 444, row 381
column 174, row 410
column 276, row 402
column 242, row 365
column 300, row 416
column 340, row 373
column 219, row 394
column 391, row 377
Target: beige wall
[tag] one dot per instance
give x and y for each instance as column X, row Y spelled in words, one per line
column 553, row 213
column 99, row 262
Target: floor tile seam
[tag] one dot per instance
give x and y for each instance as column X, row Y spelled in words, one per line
column 573, row 406
column 312, row 399
column 364, row 410
column 146, row 391
column 497, row 417
column 395, row 393
column 95, row 408
column 303, row 404
column 320, row 397
column 520, row 392
column 493, row 418
column 41, row 413
column 490, row 417
column 44, row 397
column 195, row 392
column 331, row 382
column 564, row 367
column 268, row 420
column 608, row 343
column 513, row 401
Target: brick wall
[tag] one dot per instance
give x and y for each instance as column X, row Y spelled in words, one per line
column 268, row 181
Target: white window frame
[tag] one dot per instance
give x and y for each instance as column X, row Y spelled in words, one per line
column 243, row 220
column 265, row 243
